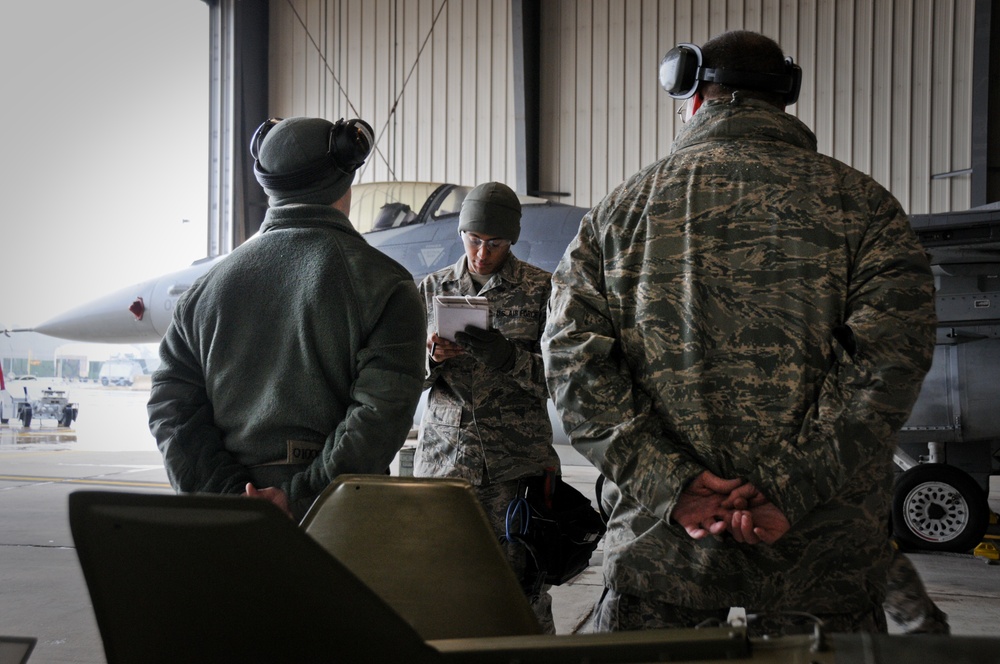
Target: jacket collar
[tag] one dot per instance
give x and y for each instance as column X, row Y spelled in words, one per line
column 746, row 118
column 510, row 273
column 305, row 216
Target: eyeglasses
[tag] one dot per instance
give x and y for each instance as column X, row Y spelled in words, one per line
column 492, row 244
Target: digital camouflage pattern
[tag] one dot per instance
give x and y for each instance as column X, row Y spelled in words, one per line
column 697, row 322
column 495, row 498
column 617, row 612
column 482, row 424
column 907, row 601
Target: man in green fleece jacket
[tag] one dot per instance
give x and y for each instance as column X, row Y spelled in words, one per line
column 300, row 356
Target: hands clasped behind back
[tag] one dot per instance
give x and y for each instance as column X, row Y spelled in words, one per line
column 271, row 494
column 711, row 505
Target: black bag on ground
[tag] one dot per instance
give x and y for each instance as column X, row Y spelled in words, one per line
column 558, row 527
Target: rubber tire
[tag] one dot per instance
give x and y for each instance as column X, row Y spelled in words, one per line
column 927, row 493
column 67, row 417
column 26, row 417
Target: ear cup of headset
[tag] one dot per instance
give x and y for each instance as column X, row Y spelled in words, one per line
column 679, row 70
column 794, row 73
column 350, row 143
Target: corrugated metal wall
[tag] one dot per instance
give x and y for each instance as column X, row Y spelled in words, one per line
column 433, row 77
column 886, row 84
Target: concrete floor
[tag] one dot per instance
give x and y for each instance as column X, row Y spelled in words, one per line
column 43, row 595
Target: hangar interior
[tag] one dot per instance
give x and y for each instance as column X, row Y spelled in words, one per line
column 560, row 99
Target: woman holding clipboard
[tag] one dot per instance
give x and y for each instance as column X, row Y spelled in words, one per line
column 486, row 419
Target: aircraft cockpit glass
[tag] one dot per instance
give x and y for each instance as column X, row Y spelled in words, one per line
column 379, row 206
column 369, row 199
column 452, row 203
column 394, row 215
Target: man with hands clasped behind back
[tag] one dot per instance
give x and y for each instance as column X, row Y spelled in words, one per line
column 734, row 337
column 300, row 357
column 486, row 419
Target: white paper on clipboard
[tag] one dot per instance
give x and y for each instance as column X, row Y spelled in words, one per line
column 454, row 313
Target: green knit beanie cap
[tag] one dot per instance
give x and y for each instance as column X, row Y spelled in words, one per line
column 295, row 165
column 491, row 209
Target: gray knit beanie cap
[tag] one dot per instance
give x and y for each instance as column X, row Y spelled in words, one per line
column 491, row 209
column 295, row 144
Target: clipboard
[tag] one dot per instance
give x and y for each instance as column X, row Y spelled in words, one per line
column 453, row 313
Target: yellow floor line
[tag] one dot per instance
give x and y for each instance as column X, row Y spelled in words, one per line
column 77, row 480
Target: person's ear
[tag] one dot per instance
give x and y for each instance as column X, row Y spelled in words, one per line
column 696, row 102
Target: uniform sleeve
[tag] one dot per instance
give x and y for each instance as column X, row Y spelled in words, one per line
column 874, row 381
column 529, row 367
column 607, row 417
column 431, row 368
column 182, row 421
column 390, row 374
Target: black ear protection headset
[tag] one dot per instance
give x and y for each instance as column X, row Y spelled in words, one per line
column 681, row 72
column 348, row 145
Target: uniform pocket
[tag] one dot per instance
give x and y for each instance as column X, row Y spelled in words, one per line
column 439, row 451
column 444, row 415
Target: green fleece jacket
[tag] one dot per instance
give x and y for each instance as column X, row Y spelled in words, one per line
column 296, row 359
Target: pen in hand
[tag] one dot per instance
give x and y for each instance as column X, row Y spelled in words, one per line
column 441, row 350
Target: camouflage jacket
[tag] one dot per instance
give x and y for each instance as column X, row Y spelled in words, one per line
column 697, row 321
column 479, row 420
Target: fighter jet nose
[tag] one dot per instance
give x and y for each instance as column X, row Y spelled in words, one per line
column 137, row 308
column 119, row 317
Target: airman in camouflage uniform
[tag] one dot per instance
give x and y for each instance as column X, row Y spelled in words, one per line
column 486, row 418
column 733, row 339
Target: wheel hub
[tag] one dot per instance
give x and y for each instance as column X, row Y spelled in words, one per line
column 936, row 512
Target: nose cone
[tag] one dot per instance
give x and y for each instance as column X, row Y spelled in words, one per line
column 134, row 315
column 109, row 319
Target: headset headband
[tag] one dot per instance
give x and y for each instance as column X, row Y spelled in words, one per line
column 681, row 72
